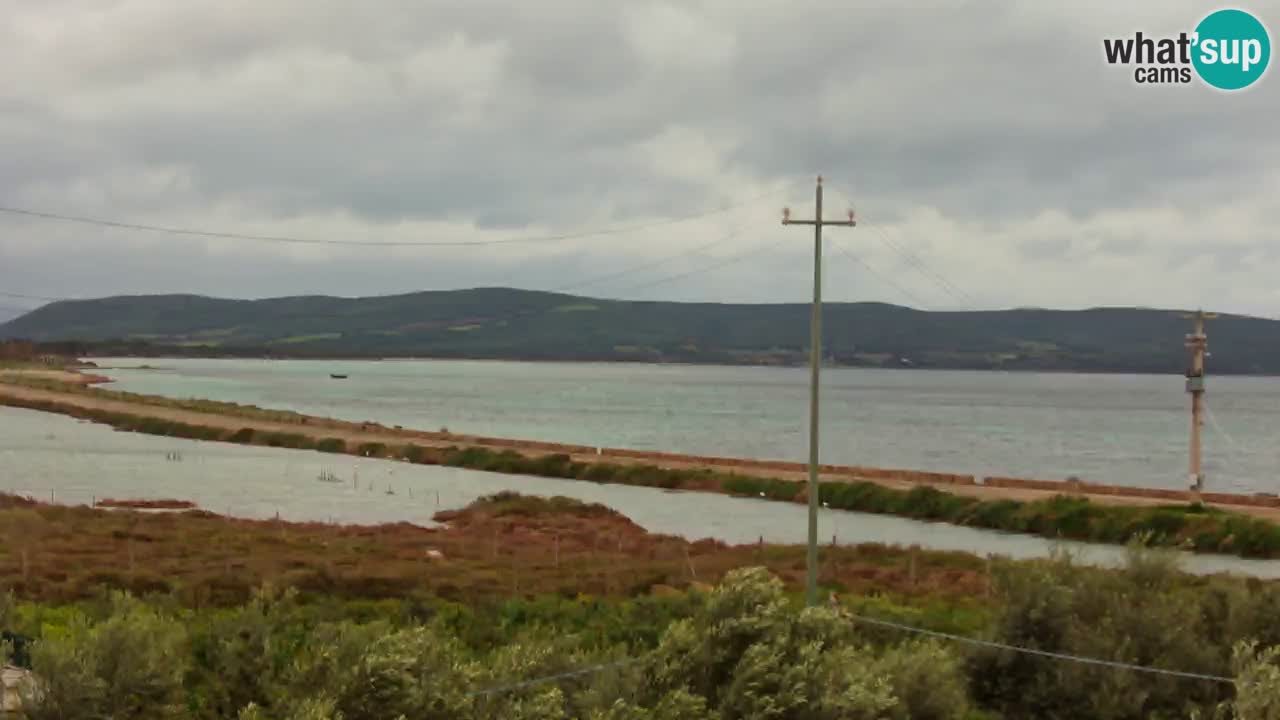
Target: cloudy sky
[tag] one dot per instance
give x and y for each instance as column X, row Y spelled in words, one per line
column 992, row 156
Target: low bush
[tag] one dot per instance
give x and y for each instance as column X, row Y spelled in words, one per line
column 332, row 445
column 414, row 454
column 243, row 436
column 289, row 440
column 372, row 449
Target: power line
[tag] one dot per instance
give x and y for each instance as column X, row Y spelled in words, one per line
column 1082, row 659
column 551, row 678
column 732, row 259
column 736, row 232
column 590, row 281
column 32, row 297
column 1043, row 653
column 650, row 264
column 391, row 243
column 913, row 259
column 912, row 297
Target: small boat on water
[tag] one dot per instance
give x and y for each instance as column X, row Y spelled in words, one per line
column 338, row 376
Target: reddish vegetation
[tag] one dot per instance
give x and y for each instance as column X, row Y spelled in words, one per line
column 162, row 504
column 510, row 546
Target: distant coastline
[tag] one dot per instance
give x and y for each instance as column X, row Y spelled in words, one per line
column 527, row 326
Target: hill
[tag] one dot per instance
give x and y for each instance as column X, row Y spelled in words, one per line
column 516, row 324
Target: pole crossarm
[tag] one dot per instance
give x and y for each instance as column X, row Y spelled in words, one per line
column 834, row 223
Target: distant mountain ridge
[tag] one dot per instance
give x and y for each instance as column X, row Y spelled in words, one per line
column 504, row 323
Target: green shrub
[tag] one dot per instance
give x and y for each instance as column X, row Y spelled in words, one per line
column 288, row 440
column 472, row 457
column 332, row 445
column 372, row 449
column 996, row 515
column 602, row 472
column 557, row 465
column 121, row 667
column 244, row 436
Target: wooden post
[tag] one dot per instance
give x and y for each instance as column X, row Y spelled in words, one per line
column 815, row 363
column 689, row 562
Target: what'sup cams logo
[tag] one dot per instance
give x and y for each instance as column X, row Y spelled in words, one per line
column 1228, row 50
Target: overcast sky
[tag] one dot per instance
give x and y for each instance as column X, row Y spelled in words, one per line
column 993, row 158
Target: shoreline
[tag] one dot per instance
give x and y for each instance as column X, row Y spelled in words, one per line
column 678, row 363
column 68, row 376
column 987, row 487
column 1243, row 525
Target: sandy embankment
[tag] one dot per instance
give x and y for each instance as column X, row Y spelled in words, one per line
column 71, row 377
column 360, row 433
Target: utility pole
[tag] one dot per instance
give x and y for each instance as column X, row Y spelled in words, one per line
column 815, row 363
column 1196, row 342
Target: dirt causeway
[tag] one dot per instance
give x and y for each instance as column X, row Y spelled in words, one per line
column 361, row 433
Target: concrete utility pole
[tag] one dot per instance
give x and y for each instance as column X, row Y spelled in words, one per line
column 1196, row 342
column 815, row 363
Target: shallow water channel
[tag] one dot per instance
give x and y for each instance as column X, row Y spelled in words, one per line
column 72, row 461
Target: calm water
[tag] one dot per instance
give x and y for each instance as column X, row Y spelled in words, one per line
column 45, row 456
column 1122, row 429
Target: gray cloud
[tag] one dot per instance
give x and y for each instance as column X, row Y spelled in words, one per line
column 988, row 139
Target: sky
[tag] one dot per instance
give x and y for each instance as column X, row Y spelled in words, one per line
column 630, row 149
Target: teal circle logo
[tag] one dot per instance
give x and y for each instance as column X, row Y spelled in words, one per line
column 1232, row 49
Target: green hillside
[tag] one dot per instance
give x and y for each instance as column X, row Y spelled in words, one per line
column 506, row 323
